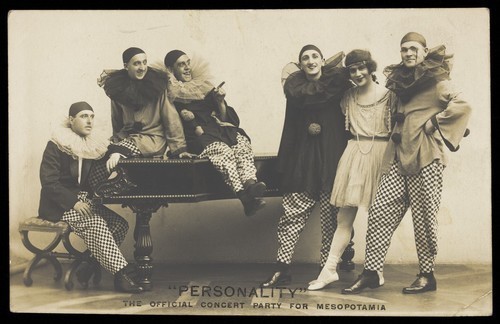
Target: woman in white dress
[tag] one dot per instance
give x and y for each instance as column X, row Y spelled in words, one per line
column 367, row 108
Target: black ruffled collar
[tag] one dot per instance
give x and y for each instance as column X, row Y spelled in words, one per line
column 333, row 82
column 406, row 81
column 133, row 93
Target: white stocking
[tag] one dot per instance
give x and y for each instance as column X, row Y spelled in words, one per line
column 345, row 221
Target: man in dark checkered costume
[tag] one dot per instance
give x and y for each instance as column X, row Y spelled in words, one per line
column 212, row 128
column 66, row 195
column 431, row 114
column 144, row 120
column 312, row 143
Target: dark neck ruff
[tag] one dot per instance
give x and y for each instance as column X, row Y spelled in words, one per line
column 406, row 82
column 333, row 82
column 134, row 93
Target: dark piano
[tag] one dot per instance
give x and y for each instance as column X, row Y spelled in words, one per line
column 163, row 181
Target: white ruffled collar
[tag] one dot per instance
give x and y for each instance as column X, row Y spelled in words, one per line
column 196, row 89
column 86, row 147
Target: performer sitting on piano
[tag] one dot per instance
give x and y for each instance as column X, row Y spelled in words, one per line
column 144, row 120
column 212, row 128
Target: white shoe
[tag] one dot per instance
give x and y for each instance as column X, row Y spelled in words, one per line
column 325, row 278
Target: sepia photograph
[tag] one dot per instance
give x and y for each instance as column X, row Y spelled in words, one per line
column 250, row 162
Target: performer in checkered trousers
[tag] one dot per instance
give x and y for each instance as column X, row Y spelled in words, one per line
column 67, row 162
column 312, row 143
column 431, row 114
column 212, row 128
column 144, row 120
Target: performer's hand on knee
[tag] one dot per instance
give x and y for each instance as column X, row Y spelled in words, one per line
column 83, row 208
column 112, row 161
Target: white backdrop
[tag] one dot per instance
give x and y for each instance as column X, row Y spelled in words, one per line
column 55, row 58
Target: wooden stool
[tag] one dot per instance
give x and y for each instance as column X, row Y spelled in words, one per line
column 62, row 232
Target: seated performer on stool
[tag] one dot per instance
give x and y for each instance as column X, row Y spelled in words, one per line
column 64, row 174
column 212, row 129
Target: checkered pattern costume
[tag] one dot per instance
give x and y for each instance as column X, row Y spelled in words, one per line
column 312, row 142
column 102, row 233
column 297, row 209
column 422, row 194
column 99, row 173
column 130, row 146
column 235, row 163
column 221, row 140
column 66, row 180
column 415, row 158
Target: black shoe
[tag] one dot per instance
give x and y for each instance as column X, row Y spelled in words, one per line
column 84, row 273
column 131, row 270
column 124, row 283
column 278, row 278
column 116, row 186
column 254, row 189
column 367, row 279
column 424, row 282
column 250, row 205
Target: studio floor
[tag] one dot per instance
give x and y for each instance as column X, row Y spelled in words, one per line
column 233, row 289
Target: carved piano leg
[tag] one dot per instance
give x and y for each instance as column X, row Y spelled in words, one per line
column 143, row 249
column 144, row 243
column 347, row 256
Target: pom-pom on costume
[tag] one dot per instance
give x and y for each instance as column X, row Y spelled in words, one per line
column 312, row 142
